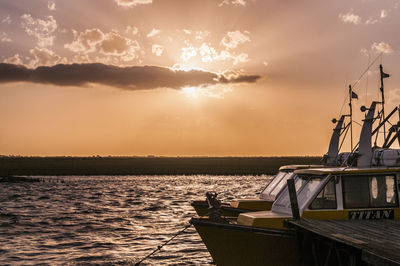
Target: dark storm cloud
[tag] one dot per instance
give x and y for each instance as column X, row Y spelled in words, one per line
column 134, row 78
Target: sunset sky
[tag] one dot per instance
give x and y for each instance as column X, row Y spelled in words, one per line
column 188, row 77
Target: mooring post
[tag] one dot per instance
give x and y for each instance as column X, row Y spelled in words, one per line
column 293, row 199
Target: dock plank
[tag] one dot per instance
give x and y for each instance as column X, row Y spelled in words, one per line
column 378, row 240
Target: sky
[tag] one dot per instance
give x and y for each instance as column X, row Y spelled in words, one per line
column 189, row 77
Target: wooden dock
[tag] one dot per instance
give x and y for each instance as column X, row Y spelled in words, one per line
column 350, row 242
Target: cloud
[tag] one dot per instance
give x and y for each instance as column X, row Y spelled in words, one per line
column 6, row 20
column 131, row 78
column 51, row 5
column 157, row 49
column 188, row 52
column 42, row 29
column 350, row 18
column 132, row 3
column 233, row 39
column 237, row 77
column 86, row 41
column 4, row 37
column 233, row 2
column 198, row 35
column 131, row 30
column 153, row 33
column 45, row 57
column 109, row 44
column 371, row 21
column 117, row 45
column 208, row 54
column 381, row 47
column 16, row 60
column 384, row 13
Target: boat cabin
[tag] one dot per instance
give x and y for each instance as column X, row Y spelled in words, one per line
column 279, row 181
column 271, row 190
column 351, row 190
column 335, row 193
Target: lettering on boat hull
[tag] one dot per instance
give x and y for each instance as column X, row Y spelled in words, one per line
column 371, row 214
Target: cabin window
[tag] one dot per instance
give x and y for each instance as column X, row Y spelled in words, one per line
column 284, row 200
column 369, row 191
column 280, row 185
column 275, row 180
column 275, row 186
column 326, row 199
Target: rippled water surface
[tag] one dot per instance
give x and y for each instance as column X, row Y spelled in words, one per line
column 107, row 219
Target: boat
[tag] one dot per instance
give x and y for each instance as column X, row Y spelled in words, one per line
column 262, row 203
column 362, row 184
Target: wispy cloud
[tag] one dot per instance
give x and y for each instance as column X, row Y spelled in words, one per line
column 51, row 5
column 233, row 2
column 130, row 78
column 6, row 20
column 157, row 49
column 384, row 13
column 15, row 59
column 208, row 53
column 153, row 33
column 109, row 44
column 132, row 3
column 45, row 57
column 131, row 30
column 4, row 37
column 350, row 18
column 234, row 38
column 381, row 47
column 42, row 29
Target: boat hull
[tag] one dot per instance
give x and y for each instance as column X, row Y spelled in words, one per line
column 231, row 244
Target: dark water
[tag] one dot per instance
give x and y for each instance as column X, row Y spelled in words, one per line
column 109, row 220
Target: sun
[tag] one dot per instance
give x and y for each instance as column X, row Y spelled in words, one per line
column 191, row 92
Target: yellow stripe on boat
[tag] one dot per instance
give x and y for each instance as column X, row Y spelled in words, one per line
column 326, row 215
column 252, row 204
column 265, row 219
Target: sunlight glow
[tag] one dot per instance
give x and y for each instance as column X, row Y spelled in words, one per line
column 191, row 92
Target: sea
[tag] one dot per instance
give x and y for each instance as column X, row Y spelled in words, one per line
column 110, row 220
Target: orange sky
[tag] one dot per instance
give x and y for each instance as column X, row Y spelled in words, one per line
column 225, row 77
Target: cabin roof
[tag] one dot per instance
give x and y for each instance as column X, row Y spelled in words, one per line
column 298, row 166
column 346, row 170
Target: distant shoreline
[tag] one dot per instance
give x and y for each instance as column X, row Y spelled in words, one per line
column 15, row 165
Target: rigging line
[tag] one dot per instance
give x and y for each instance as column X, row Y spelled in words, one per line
column 358, row 80
column 164, row 244
column 344, row 102
column 370, row 65
column 345, row 98
column 366, row 85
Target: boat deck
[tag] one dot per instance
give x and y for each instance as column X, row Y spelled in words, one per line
column 375, row 242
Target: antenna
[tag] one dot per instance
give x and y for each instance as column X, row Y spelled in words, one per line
column 382, row 89
column 351, row 117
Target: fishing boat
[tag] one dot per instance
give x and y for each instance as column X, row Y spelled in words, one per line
column 261, row 203
column 362, row 184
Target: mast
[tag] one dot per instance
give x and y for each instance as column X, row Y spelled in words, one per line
column 351, row 117
column 365, row 150
column 383, row 75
